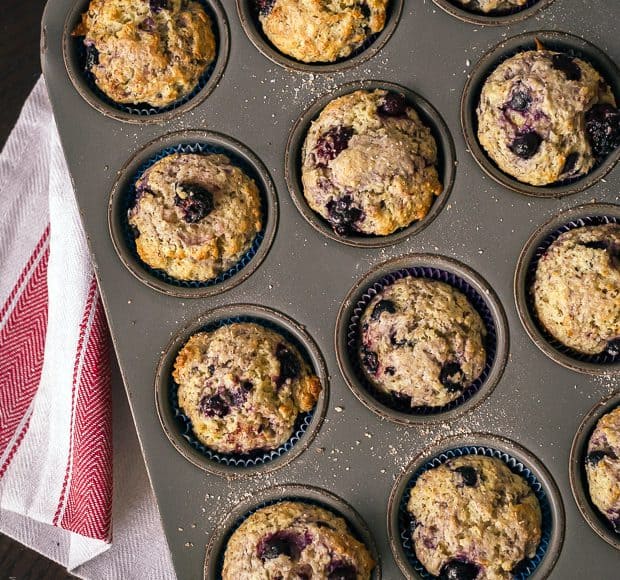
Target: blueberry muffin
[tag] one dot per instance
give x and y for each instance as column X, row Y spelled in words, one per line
column 243, row 387
column 369, row 164
column 147, row 52
column 320, row 30
column 577, row 289
column 422, row 342
column 546, row 116
column 473, row 518
column 495, row 6
column 603, row 467
column 292, row 540
column 195, row 215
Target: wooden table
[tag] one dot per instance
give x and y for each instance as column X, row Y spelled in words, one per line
column 19, row 66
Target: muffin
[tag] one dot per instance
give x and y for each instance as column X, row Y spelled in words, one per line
column 603, row 467
column 292, row 540
column 195, row 215
column 422, row 342
column 577, row 289
column 369, row 164
column 141, row 52
column 320, row 30
column 546, row 116
column 473, row 518
column 243, row 387
column 487, row 6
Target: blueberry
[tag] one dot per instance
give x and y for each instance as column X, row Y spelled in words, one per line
column 195, row 201
column 613, row 347
column 343, row 215
column 289, row 365
column 370, row 360
column 92, row 57
column 567, row 65
column 603, row 129
column 381, row 307
column 393, row 105
column 214, row 406
column 158, row 5
column 595, row 457
column 331, row 144
column 280, row 543
column 526, row 145
column 451, row 377
column 390, row 371
column 458, row 570
column 211, row 369
column 148, row 25
column 264, row 6
column 343, row 572
column 396, row 342
column 469, row 475
column 520, row 101
column 569, row 164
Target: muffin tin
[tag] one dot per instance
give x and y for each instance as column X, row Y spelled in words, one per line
column 303, row 278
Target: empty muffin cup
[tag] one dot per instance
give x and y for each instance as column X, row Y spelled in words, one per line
column 124, row 194
column 577, row 471
column 536, row 246
column 470, row 11
column 428, row 267
column 556, row 41
column 178, row 426
column 77, row 58
column 520, row 462
column 249, row 15
column 446, row 164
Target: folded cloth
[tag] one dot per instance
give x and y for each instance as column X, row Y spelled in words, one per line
column 56, row 461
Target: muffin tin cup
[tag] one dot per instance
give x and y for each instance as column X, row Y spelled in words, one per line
column 531, row 8
column 519, row 460
column 432, row 267
column 553, row 40
column 96, row 98
column 296, row 492
column 177, row 427
column 253, row 29
column 428, row 115
column 121, row 198
column 577, row 472
column 537, row 244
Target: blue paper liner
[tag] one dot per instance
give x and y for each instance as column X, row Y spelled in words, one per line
column 603, row 358
column 129, row 200
column 495, row 13
column 474, row 298
column 255, row 458
column 240, row 520
column 527, row 567
column 144, row 109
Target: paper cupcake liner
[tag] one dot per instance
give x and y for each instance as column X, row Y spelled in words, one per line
column 255, row 458
column 144, row 109
column 598, row 359
column 130, row 200
column 526, row 567
column 474, row 298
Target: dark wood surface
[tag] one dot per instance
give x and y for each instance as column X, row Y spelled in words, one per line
column 20, row 68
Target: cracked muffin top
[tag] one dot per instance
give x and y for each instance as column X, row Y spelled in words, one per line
column 147, row 52
column 320, row 30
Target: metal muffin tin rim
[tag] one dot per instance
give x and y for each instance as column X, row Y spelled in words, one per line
column 478, row 283
column 470, row 97
column 577, row 476
column 166, row 361
column 290, row 491
column 133, row 163
column 496, row 19
column 520, row 291
column 259, row 41
column 80, row 84
column 497, row 442
column 294, row 147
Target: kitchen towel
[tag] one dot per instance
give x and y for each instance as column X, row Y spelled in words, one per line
column 57, row 425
